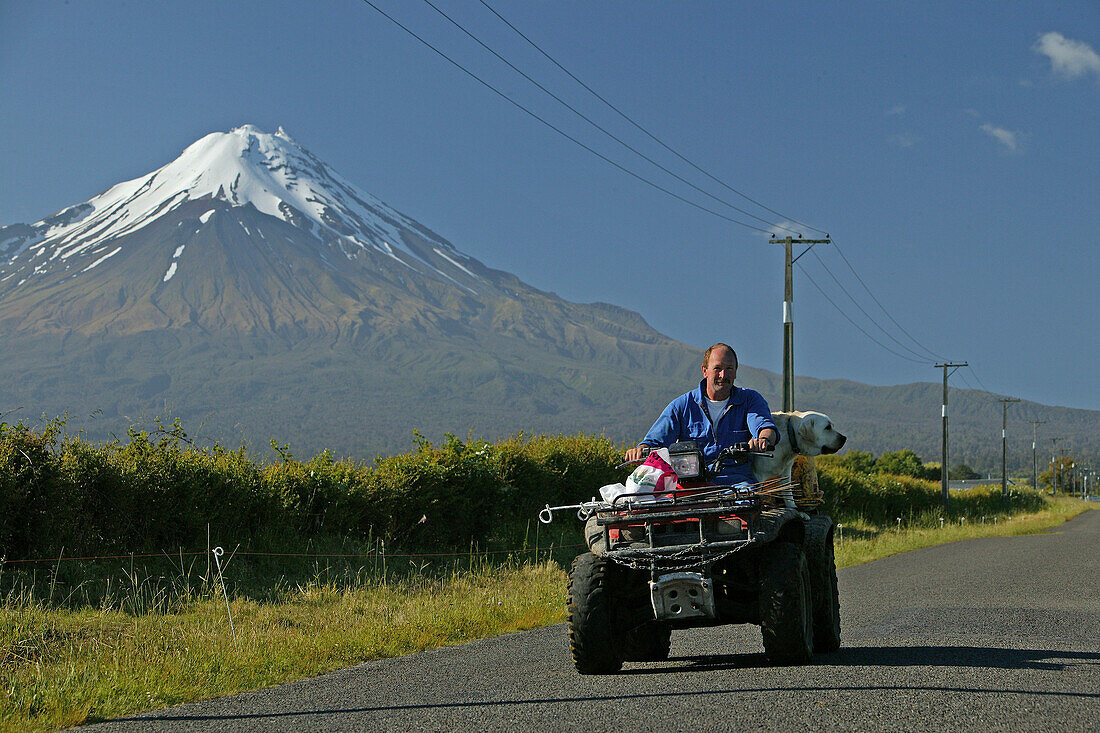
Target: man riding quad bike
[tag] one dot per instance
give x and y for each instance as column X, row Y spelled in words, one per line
column 687, row 553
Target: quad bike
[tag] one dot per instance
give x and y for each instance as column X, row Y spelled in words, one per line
column 701, row 555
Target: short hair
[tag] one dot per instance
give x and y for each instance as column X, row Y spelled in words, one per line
column 706, row 354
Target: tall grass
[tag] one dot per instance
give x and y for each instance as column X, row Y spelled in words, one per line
column 65, row 667
column 859, row 540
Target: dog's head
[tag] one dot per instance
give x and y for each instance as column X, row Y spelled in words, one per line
column 815, row 434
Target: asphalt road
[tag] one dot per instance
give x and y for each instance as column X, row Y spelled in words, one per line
column 991, row 634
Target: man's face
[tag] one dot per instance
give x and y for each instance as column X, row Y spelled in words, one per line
column 719, row 373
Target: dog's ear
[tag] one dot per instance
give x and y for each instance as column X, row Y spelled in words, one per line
column 811, row 428
column 806, row 430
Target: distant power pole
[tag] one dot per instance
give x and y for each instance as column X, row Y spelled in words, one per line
column 1034, row 460
column 1004, row 445
column 943, row 467
column 788, row 318
column 1053, row 468
column 1062, row 465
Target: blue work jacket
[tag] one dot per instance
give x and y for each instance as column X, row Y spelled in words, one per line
column 686, row 418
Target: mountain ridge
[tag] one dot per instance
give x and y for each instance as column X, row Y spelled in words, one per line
column 249, row 289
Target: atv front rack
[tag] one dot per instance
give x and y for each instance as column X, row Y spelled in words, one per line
column 691, row 529
column 729, row 497
column 680, row 536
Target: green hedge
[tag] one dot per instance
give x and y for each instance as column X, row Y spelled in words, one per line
column 880, row 498
column 157, row 491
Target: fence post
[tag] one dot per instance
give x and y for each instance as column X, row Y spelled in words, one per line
column 218, row 552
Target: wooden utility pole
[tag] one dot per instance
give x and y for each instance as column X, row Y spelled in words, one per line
column 1053, row 467
column 788, row 318
column 1004, row 445
column 1034, row 458
column 943, row 465
column 1062, row 465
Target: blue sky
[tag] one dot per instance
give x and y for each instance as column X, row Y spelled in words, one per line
column 952, row 150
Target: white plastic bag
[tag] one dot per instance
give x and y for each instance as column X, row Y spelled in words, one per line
column 655, row 476
column 611, row 491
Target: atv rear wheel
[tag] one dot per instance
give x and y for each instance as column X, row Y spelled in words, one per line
column 786, row 611
column 826, row 605
column 592, row 639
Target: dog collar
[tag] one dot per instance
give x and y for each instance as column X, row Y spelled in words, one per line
column 791, row 435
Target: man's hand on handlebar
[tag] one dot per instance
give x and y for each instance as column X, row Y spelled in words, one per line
column 637, row 453
column 765, row 441
column 759, row 444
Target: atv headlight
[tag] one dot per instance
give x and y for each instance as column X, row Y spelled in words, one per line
column 686, row 458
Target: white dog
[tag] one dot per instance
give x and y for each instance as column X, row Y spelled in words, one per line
column 800, row 433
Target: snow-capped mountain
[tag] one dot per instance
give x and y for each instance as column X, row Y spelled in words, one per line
column 249, row 290
column 243, row 167
column 247, row 287
column 247, row 231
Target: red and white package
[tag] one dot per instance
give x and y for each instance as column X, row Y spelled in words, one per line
column 655, row 476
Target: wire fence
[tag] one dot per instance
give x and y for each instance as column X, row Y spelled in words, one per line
column 373, row 554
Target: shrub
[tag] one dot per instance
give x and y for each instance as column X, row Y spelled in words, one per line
column 903, row 463
column 158, row 491
column 881, row 498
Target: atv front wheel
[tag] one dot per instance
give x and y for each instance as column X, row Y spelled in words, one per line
column 786, row 606
column 592, row 639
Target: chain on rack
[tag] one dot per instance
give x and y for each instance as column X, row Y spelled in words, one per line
column 662, row 565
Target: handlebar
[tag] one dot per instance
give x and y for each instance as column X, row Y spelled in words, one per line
column 735, row 452
column 742, row 450
column 646, row 449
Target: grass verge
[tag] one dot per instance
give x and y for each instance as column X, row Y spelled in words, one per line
column 65, row 667
column 859, row 541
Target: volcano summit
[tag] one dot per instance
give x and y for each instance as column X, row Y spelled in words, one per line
column 249, row 287
column 245, row 230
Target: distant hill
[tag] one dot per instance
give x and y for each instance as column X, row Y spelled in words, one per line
column 251, row 291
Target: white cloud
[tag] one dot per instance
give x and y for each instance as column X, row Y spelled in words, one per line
column 904, row 139
column 896, row 111
column 1069, row 58
column 1008, row 138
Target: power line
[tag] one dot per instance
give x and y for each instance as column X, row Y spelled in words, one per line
column 864, row 312
column 967, row 382
column 681, row 157
column 860, row 328
column 561, row 132
column 879, row 304
column 651, row 183
column 979, row 379
column 699, row 169
column 595, row 124
column 651, row 136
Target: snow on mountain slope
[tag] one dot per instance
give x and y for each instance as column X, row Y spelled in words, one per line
column 244, row 166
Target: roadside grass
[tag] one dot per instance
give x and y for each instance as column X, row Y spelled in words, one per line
column 66, row 667
column 859, row 541
column 151, row 647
